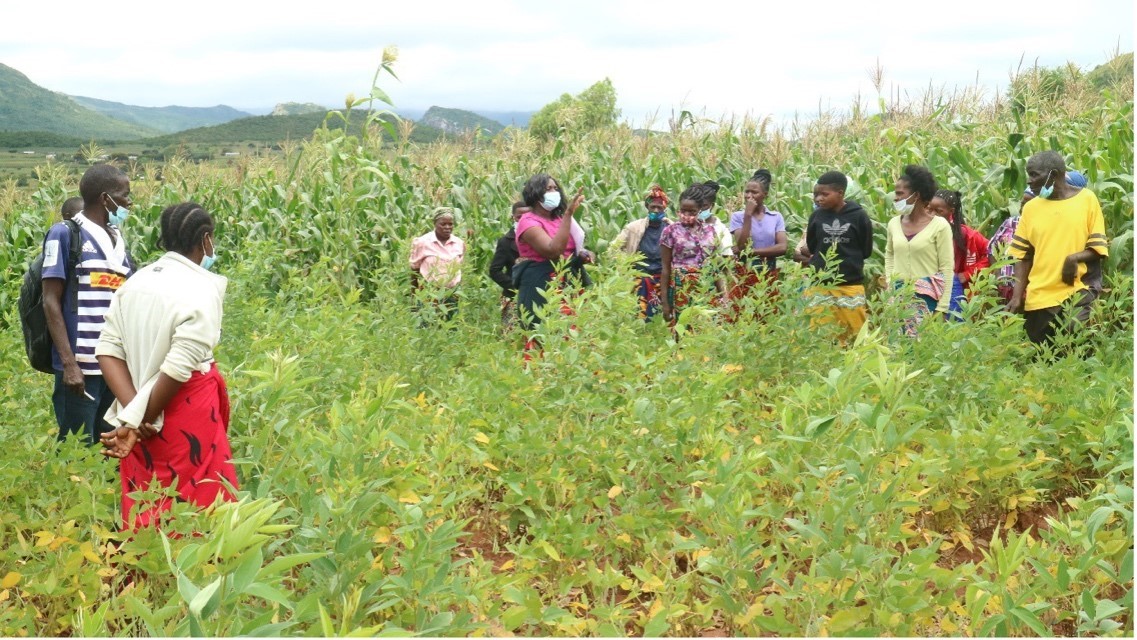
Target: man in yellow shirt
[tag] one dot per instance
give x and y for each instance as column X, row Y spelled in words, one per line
column 1059, row 243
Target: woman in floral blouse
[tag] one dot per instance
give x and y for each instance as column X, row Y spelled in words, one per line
column 684, row 249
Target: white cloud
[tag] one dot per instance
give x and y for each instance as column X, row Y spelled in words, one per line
column 511, row 55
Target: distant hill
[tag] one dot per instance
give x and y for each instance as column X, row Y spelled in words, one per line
column 271, row 129
column 26, row 106
column 163, row 119
column 459, row 121
column 297, row 108
column 519, row 119
column 41, row 139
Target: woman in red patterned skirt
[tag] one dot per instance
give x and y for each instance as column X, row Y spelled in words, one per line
column 171, row 409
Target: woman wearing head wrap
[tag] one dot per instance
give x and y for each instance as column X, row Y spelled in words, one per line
column 436, row 263
column 641, row 236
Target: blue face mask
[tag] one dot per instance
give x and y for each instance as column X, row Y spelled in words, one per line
column 1045, row 192
column 704, row 215
column 652, row 216
column 207, row 261
column 118, row 216
column 552, row 200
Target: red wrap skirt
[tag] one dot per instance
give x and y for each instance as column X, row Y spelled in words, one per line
column 190, row 453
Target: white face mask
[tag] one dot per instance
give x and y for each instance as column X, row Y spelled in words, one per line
column 552, row 200
column 903, row 207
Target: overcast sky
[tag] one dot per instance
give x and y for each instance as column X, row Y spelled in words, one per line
column 758, row 58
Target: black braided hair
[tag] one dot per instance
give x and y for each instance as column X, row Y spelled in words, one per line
column 694, row 193
column 762, row 177
column 183, row 226
column 954, row 201
column 705, row 194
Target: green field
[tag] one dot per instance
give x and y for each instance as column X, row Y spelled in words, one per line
column 750, row 479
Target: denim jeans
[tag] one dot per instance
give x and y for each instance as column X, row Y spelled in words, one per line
column 76, row 413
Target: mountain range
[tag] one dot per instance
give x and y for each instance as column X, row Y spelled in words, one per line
column 31, row 115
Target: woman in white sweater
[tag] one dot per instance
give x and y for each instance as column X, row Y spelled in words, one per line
column 171, row 409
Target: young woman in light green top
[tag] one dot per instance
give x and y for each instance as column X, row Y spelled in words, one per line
column 919, row 250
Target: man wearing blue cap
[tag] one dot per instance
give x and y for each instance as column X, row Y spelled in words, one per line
column 1059, row 243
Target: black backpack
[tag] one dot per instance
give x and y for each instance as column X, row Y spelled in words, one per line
column 37, row 339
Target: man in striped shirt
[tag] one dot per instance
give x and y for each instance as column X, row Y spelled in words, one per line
column 74, row 303
column 1059, row 243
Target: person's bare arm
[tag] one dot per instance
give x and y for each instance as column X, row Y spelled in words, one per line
column 117, row 377
column 552, row 248
column 665, row 282
column 742, row 235
column 1022, row 272
column 1070, row 266
column 53, row 312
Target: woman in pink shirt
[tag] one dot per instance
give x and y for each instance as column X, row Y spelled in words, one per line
column 544, row 239
column 436, row 262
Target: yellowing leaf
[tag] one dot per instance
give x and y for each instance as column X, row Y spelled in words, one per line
column 752, row 612
column 506, row 566
column 10, row 580
column 1012, row 518
column 731, row 368
column 490, row 466
column 482, row 438
column 652, row 584
column 88, row 551
column 947, row 625
column 758, row 440
column 409, row 497
column 615, row 491
column 625, row 538
column 4, row 595
column 382, row 535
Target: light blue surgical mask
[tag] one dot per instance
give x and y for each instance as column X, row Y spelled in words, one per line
column 704, row 215
column 118, row 216
column 552, row 200
column 207, row 261
column 1045, row 192
column 654, row 216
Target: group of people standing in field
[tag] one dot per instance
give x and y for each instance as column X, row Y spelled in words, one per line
column 132, row 348
column 1046, row 256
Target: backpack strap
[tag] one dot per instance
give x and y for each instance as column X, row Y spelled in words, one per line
column 73, row 257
